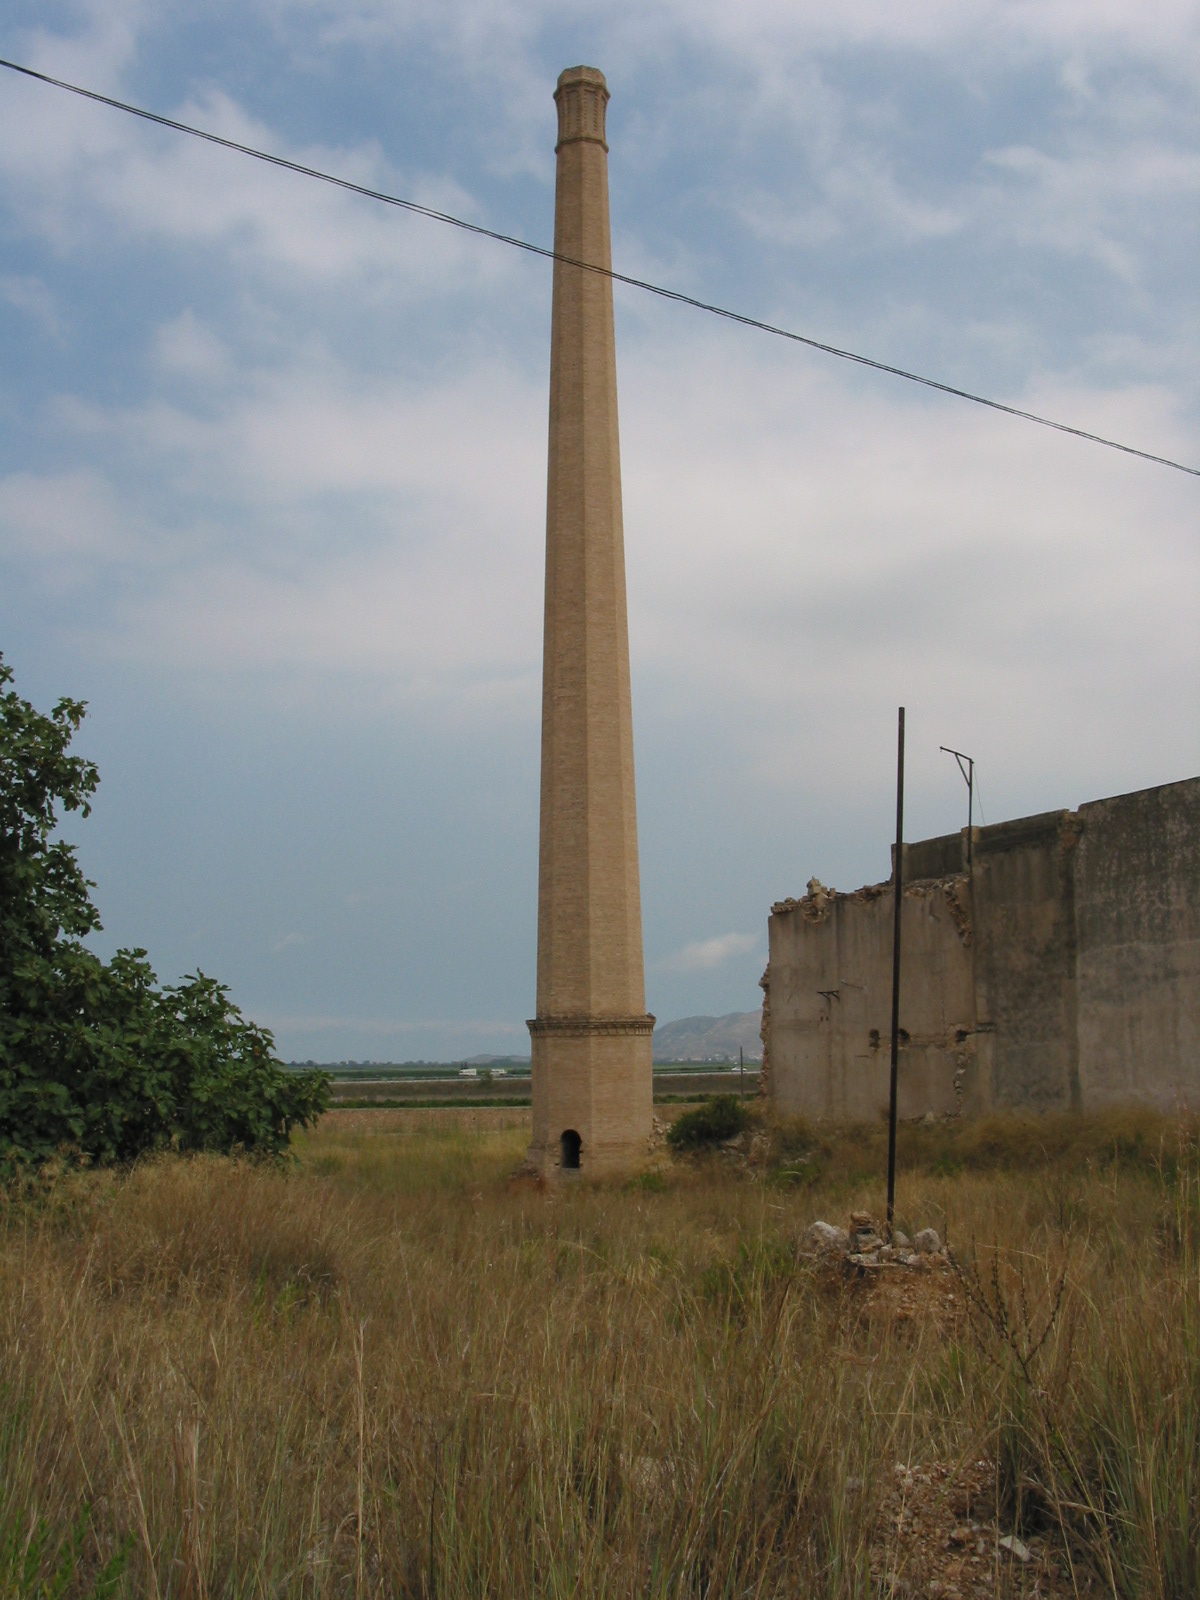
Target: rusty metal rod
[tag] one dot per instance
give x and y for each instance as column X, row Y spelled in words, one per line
column 898, row 890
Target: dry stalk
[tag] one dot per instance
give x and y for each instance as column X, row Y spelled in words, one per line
column 361, row 1418
column 139, row 1502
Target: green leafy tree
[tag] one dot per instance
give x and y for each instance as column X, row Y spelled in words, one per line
column 95, row 1058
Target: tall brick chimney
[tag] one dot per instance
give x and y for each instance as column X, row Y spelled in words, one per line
column 591, row 1036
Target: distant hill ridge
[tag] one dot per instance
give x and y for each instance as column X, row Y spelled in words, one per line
column 709, row 1038
column 689, row 1039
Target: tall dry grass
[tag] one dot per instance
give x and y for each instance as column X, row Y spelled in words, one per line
column 387, row 1372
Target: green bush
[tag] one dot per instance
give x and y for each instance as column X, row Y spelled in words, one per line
column 96, row 1060
column 722, row 1117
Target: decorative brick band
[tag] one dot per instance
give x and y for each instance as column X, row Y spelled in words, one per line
column 582, row 97
column 583, row 1026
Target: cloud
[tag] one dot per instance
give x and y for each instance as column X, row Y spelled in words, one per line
column 76, row 517
column 706, row 955
column 764, row 30
column 184, row 347
column 313, row 522
column 31, row 295
column 76, row 170
column 163, row 184
column 796, row 537
column 99, row 51
column 806, row 551
column 1090, row 201
column 313, row 425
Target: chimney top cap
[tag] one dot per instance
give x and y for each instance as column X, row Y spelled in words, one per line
column 571, row 75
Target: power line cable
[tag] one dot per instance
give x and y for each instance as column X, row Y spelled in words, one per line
column 588, row 266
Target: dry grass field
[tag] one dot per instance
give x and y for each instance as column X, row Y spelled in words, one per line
column 388, row 1370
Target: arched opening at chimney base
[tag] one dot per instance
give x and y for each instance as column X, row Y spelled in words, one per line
column 572, row 1144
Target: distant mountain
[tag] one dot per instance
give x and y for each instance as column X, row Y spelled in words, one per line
column 689, row 1039
column 709, row 1038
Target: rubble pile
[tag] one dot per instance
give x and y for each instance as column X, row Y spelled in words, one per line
column 658, row 1136
column 864, row 1244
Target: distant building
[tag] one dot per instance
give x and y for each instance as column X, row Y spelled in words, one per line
column 1061, row 969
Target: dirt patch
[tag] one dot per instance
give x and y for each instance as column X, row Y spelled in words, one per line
column 936, row 1531
column 936, row 1534
column 904, row 1297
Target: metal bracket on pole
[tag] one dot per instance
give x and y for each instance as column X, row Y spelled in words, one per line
column 968, row 773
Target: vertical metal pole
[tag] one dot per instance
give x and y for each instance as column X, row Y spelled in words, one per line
column 742, row 1071
column 898, row 888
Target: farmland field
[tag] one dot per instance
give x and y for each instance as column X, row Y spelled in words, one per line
column 388, row 1369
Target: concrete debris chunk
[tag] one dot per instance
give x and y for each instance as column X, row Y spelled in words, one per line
column 827, row 1236
column 1013, row 1545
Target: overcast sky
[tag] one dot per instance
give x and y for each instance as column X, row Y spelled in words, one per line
column 272, row 463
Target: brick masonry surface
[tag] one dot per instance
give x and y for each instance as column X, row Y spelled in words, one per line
column 591, row 1037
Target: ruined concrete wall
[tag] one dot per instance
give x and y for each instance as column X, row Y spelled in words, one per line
column 1137, row 872
column 830, row 1000
column 1023, row 890
column 1062, row 971
column 764, row 1033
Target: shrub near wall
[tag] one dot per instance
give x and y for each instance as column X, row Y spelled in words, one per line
column 722, row 1117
